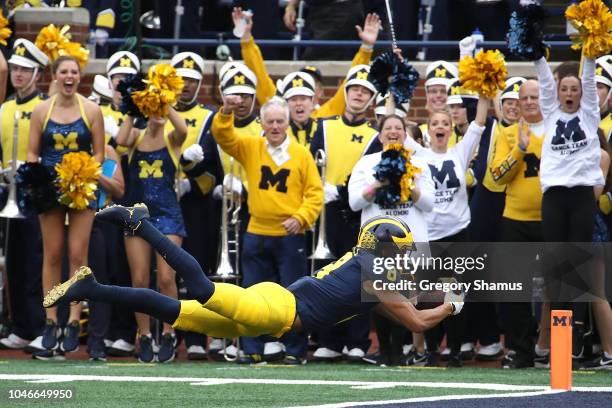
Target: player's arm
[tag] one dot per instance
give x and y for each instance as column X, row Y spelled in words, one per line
column 251, row 54
column 399, row 309
column 368, row 35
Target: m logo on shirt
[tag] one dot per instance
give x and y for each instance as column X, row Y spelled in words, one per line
column 357, row 138
column 150, row 170
column 446, row 177
column 26, row 115
column 190, row 122
column 270, row 179
column 65, row 142
column 569, row 137
column 533, row 165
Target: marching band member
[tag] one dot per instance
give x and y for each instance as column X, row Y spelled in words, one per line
column 285, row 198
column 200, row 211
column 345, row 139
column 266, row 89
column 298, row 89
column 24, row 251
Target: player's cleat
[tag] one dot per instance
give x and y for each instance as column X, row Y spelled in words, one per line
column 167, row 348
column 128, row 218
column 50, row 335
column 146, row 354
column 77, row 284
column 71, row 337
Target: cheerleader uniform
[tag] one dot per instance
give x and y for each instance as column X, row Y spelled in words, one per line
column 61, row 138
column 150, row 180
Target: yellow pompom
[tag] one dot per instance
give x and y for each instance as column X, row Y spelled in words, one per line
column 485, row 73
column 77, row 179
column 55, row 43
column 162, row 91
column 593, row 20
column 5, row 32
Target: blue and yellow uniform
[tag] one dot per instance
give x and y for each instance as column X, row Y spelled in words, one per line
column 150, row 180
column 334, row 296
column 303, row 134
column 61, row 138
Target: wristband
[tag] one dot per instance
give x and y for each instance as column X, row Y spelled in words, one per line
column 367, row 46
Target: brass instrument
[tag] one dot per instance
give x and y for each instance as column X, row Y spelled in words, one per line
column 11, row 209
column 231, row 204
column 321, row 249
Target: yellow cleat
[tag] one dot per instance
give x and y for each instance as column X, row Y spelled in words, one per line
column 59, row 291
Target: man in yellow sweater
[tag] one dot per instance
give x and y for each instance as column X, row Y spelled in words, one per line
column 517, row 165
column 266, row 88
column 285, row 198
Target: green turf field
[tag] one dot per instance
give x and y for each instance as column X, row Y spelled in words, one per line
column 228, row 385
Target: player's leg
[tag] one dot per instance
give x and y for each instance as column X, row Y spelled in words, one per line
column 135, row 220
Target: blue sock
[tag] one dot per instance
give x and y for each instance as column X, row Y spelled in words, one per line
column 199, row 286
column 141, row 300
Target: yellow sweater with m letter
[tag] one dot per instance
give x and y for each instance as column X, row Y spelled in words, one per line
column 276, row 193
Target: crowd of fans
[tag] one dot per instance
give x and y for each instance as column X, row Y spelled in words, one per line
column 480, row 180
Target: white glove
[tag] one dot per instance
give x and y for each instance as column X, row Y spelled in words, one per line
column 230, row 182
column 183, row 186
column 110, row 126
column 194, row 153
column 217, row 192
column 330, row 192
column 101, row 36
column 456, row 300
column 467, row 47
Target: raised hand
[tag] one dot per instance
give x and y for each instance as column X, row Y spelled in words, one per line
column 230, row 103
column 237, row 16
column 371, row 28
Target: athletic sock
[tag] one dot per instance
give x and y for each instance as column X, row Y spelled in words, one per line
column 199, row 286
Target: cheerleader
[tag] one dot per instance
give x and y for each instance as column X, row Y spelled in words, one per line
column 67, row 122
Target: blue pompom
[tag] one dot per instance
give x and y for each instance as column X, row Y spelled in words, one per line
column 525, row 37
column 36, row 191
column 389, row 74
column 131, row 83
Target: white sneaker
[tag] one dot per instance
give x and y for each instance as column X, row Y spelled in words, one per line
column 121, row 348
column 273, row 350
column 490, row 351
column 34, row 346
column 406, row 349
column 195, row 352
column 108, row 343
column 325, row 354
column 345, row 350
column 13, row 342
column 231, row 351
column 355, row 354
column 445, row 353
column 215, row 346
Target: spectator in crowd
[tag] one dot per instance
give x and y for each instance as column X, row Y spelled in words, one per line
column 438, row 76
column 569, row 171
column 122, row 330
column 153, row 165
column 362, row 190
column 517, row 166
column 285, row 198
column 53, row 124
column 24, row 243
column 603, row 78
column 450, row 217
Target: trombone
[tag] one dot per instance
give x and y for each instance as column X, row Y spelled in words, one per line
column 10, row 210
column 321, row 249
column 231, row 204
